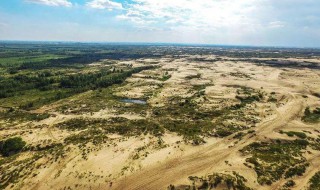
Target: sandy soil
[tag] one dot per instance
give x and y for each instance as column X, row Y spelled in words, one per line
column 112, row 166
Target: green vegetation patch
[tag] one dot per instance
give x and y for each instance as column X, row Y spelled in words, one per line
column 30, row 89
column 289, row 184
column 311, row 116
column 274, row 160
column 165, row 77
column 293, row 133
column 11, row 62
column 213, row 181
column 95, row 136
column 16, row 115
column 240, row 75
column 81, row 123
column 315, row 182
column 100, row 79
column 315, row 143
column 117, row 125
column 11, row 146
column 247, row 96
column 185, row 117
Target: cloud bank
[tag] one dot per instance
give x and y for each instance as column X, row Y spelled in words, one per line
column 247, row 22
column 226, row 21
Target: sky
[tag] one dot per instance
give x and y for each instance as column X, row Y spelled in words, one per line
column 291, row 23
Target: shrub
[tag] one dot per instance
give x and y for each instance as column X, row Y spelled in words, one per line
column 11, row 146
column 297, row 170
column 289, row 183
column 315, row 182
column 297, row 134
column 165, row 77
column 311, row 116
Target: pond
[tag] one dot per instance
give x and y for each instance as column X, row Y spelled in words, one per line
column 134, row 101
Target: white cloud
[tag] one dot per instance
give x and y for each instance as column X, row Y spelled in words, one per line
column 255, row 22
column 210, row 21
column 64, row 3
column 194, row 14
column 104, row 4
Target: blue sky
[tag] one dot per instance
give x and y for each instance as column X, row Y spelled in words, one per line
column 229, row 22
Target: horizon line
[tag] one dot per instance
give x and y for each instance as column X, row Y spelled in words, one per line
column 162, row 44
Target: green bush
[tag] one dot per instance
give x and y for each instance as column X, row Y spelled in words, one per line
column 315, row 182
column 311, row 116
column 165, row 77
column 289, row 184
column 11, row 146
column 296, row 171
column 297, row 134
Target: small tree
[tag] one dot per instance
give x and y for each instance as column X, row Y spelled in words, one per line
column 11, row 146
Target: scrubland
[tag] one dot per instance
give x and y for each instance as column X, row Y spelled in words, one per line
column 131, row 117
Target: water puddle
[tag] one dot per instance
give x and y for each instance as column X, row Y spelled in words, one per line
column 134, row 101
